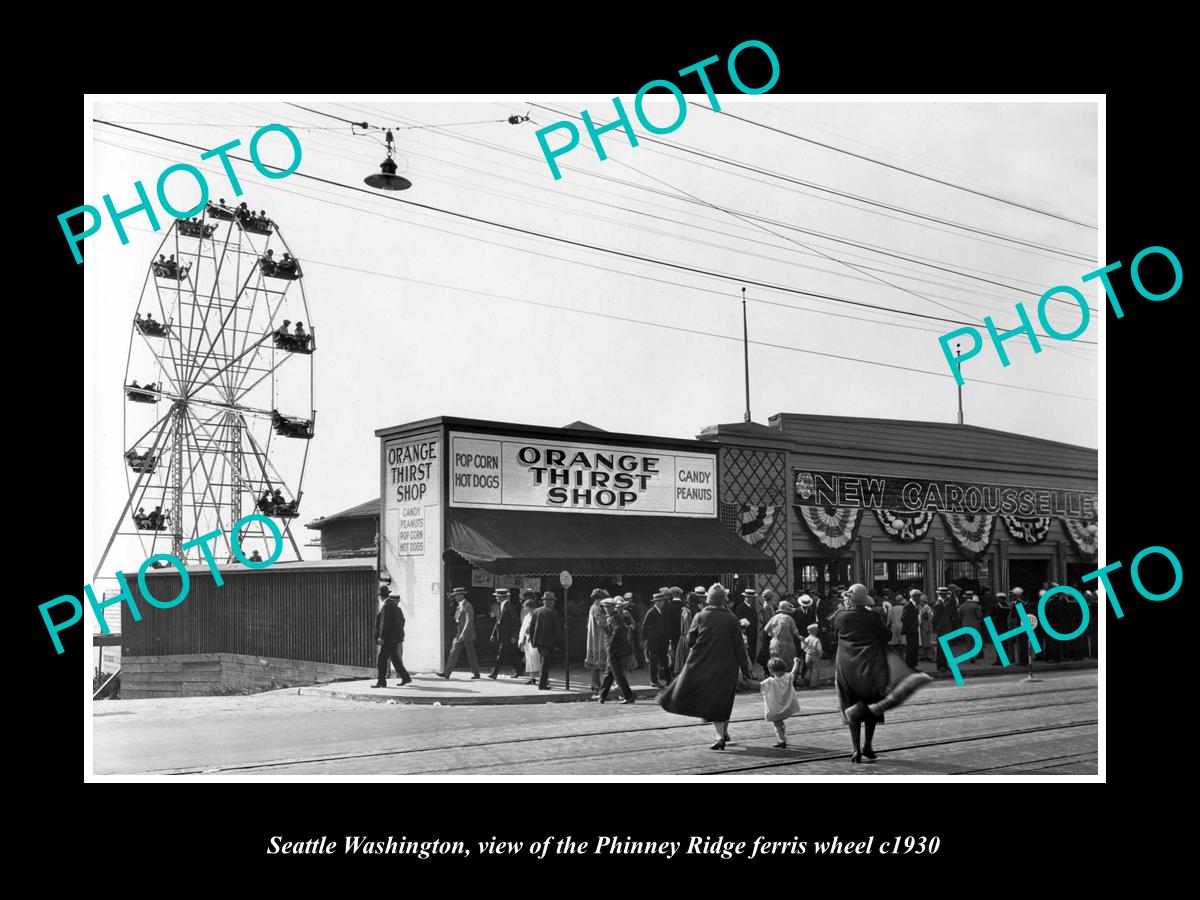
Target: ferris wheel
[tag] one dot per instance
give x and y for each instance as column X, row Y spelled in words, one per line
column 218, row 390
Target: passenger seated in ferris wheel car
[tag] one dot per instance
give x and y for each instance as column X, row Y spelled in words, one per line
column 153, row 522
column 265, row 502
column 149, row 327
column 301, row 335
column 140, row 462
column 283, row 268
column 291, row 426
column 165, row 268
column 219, row 210
column 142, row 393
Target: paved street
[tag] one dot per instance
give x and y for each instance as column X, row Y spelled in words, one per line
column 997, row 725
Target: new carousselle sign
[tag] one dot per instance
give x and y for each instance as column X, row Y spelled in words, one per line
column 888, row 492
column 515, row 473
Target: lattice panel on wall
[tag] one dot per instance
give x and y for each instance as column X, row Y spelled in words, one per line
column 755, row 478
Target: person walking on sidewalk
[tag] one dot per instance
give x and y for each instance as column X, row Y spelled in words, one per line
column 504, row 633
column 533, row 659
column 708, row 683
column 811, row 647
column 545, row 631
column 691, row 605
column 596, row 659
column 910, row 627
column 870, row 678
column 618, row 649
column 943, row 623
column 464, row 635
column 654, row 631
column 972, row 617
column 782, row 635
column 779, row 695
column 389, row 635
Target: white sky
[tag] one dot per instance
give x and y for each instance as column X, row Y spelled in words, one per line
column 393, row 349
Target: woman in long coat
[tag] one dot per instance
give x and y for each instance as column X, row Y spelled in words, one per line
column 782, row 633
column 533, row 659
column 871, row 678
column 707, row 685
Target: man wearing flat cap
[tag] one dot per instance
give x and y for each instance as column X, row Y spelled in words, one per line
column 504, row 632
column 545, row 632
column 464, row 634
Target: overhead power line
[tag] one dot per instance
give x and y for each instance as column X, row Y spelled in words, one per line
column 611, row 316
column 562, row 240
column 839, row 193
column 880, row 162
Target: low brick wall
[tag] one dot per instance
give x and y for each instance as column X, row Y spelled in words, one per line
column 200, row 674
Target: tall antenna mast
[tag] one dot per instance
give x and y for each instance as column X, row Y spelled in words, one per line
column 746, row 354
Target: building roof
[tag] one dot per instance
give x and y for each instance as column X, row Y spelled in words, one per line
column 295, row 565
column 580, row 431
column 367, row 510
column 905, row 447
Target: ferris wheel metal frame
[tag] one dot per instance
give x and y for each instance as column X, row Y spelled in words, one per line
column 219, row 350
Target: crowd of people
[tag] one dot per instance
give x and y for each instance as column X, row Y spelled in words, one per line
column 703, row 646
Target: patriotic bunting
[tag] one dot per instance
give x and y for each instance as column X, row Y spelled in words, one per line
column 1084, row 535
column 905, row 526
column 972, row 533
column 834, row 526
column 1031, row 530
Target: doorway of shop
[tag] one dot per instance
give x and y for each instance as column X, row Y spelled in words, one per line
column 1029, row 575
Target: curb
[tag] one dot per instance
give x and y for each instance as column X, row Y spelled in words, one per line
column 384, row 695
column 560, row 695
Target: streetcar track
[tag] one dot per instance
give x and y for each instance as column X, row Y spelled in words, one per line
column 670, row 727
column 774, row 764
column 1055, row 762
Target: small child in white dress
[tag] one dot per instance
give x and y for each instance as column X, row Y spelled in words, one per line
column 810, row 649
column 779, row 696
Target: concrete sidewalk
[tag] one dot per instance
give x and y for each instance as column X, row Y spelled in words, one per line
column 461, row 690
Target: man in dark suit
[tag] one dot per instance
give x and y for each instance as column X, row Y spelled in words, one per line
column 545, row 630
column 654, row 633
column 910, row 627
column 504, row 632
column 464, row 634
column 389, row 635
